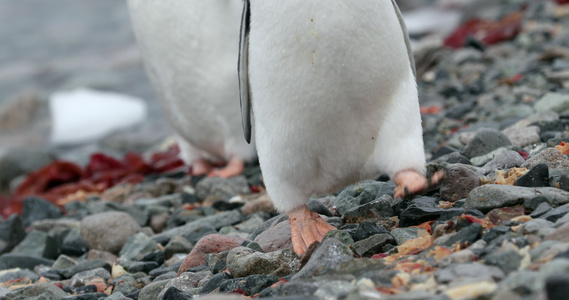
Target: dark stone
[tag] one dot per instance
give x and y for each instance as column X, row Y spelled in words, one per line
column 85, row 266
column 362, row 193
column 89, row 296
column 564, row 181
column 557, row 125
column 38, row 244
column 142, row 266
column 195, row 235
column 156, row 256
column 495, row 232
column 317, row 206
column 86, row 289
column 485, row 141
column 377, row 208
column 223, row 205
column 10, row 261
column 443, row 151
column 72, row 243
column 365, row 230
column 458, row 111
column 172, row 293
column 163, row 270
column 465, row 236
column 540, row 210
column 537, row 176
column 12, row 232
column 217, row 262
column 453, row 158
column 214, row 282
column 291, row 291
column 557, row 287
column 421, row 210
column 327, row 257
column 450, row 214
column 373, row 244
column 555, row 214
column 35, row 209
column 249, row 285
column 507, row 261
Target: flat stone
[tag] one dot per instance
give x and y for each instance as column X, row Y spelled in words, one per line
column 557, row 287
column 421, row 210
column 499, row 215
column 185, row 282
column 10, row 261
column 540, row 210
column 177, row 244
column 334, row 288
column 533, row 226
column 44, row 290
column 490, row 196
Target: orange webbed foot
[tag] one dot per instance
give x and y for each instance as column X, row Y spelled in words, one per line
column 234, row 167
column 200, row 167
column 409, row 182
column 306, row 228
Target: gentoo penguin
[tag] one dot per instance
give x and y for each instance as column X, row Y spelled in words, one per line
column 190, row 50
column 329, row 90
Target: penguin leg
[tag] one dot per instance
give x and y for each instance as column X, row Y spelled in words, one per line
column 410, row 182
column 200, row 167
column 234, row 167
column 306, row 227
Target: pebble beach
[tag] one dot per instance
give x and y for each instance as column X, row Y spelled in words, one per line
column 120, row 218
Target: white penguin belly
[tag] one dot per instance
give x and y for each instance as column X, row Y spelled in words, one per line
column 333, row 96
column 190, row 49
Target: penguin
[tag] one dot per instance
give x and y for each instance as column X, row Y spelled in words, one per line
column 190, row 50
column 328, row 91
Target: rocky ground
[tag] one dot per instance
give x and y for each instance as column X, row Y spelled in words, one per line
column 496, row 118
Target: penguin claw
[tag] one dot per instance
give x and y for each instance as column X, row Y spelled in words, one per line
column 200, row 167
column 409, row 182
column 306, row 228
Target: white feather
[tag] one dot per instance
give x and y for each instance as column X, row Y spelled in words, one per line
column 190, row 49
column 333, row 94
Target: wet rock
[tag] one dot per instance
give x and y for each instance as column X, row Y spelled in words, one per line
column 459, row 181
column 374, row 244
column 378, row 208
column 10, row 261
column 242, row 262
column 36, row 209
column 360, row 194
column 213, row 243
column 249, row 285
column 41, row 290
column 490, row 196
column 108, row 231
column 222, row 187
column 12, row 232
column 538, row 176
column 485, row 140
column 328, row 256
column 552, row 157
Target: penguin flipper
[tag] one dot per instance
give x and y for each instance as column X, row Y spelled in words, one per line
column 405, row 36
column 243, row 71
